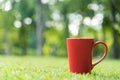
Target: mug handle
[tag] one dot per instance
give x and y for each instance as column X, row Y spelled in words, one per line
column 105, row 52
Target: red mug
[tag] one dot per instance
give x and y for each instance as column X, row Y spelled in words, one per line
column 80, row 54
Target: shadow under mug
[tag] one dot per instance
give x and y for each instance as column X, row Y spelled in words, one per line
column 80, row 54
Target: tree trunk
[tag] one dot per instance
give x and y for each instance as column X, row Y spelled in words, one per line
column 116, row 36
column 23, row 40
column 40, row 26
column 66, row 30
column 23, row 33
column 5, row 36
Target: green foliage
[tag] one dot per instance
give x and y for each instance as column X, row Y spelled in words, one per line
column 50, row 68
column 55, row 39
column 54, row 45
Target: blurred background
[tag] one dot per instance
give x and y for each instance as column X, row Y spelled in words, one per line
column 40, row 27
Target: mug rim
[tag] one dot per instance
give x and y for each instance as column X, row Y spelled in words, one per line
column 81, row 38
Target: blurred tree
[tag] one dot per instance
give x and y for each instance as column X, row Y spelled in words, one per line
column 111, row 13
column 63, row 8
column 49, row 36
column 24, row 12
column 5, row 24
column 41, row 15
column 64, row 13
column 114, row 4
column 5, row 35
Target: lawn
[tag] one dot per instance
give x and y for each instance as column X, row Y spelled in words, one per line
column 50, row 68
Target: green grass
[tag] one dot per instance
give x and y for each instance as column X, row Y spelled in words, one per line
column 49, row 68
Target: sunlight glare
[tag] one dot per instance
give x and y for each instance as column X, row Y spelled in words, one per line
column 7, row 6
column 17, row 24
column 87, row 21
column 56, row 16
column 44, row 1
column 27, row 21
column 93, row 6
column 1, row 1
column 75, row 20
column 73, row 29
column 95, row 22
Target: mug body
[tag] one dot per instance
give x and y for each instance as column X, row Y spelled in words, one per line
column 80, row 54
